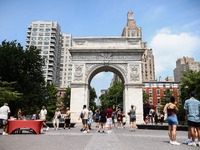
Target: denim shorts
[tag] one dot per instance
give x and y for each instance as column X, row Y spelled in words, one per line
column 172, row 120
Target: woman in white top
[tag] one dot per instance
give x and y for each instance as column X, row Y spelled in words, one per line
column 56, row 117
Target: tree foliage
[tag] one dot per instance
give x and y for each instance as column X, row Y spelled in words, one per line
column 145, row 97
column 7, row 93
column 66, row 98
column 114, row 95
column 25, row 68
column 190, row 82
column 51, row 100
column 93, row 96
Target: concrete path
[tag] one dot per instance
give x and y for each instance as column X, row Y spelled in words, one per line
column 120, row 139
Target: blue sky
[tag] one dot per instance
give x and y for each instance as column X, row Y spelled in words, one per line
column 171, row 27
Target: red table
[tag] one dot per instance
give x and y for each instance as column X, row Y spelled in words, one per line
column 36, row 125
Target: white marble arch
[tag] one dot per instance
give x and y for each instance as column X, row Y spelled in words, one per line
column 120, row 55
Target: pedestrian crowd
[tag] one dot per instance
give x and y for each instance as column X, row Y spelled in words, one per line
column 118, row 119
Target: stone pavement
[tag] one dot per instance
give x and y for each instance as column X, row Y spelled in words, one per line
column 121, row 139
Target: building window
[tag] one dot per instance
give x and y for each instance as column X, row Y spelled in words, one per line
column 69, row 74
column 67, row 41
column 69, row 78
column 47, row 34
column 47, row 30
column 35, row 25
column 70, row 65
column 66, row 44
column 34, row 33
column 67, row 37
column 40, row 38
column 41, row 25
column 158, row 100
column 46, row 38
column 40, row 34
column 34, row 29
column 178, row 92
column 33, row 38
column 39, row 47
column 69, row 69
column 45, row 52
column 158, row 92
column 150, row 100
column 150, row 92
column 41, row 30
column 46, row 43
column 48, row 25
column 33, row 42
column 46, row 47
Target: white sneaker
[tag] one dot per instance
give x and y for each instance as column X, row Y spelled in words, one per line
column 4, row 133
column 47, row 129
column 192, row 144
column 170, row 142
column 187, row 141
column 84, row 131
column 175, row 143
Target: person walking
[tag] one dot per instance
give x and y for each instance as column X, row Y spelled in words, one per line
column 90, row 113
column 192, row 111
column 102, row 118
column 109, row 119
column 43, row 116
column 119, row 119
column 132, row 114
column 172, row 120
column 97, row 118
column 56, row 117
column 151, row 115
column 67, row 118
column 4, row 113
column 85, row 119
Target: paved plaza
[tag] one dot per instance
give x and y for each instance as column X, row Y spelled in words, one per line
column 121, row 139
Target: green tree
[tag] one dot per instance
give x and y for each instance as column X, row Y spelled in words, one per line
column 190, row 82
column 93, row 96
column 145, row 97
column 51, row 100
column 166, row 97
column 114, row 95
column 66, row 98
column 7, row 93
column 25, row 68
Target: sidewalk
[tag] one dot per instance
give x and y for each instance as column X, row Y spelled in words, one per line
column 120, row 139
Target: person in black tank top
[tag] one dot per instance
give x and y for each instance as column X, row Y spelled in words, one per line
column 102, row 118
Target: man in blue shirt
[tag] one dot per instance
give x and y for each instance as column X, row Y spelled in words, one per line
column 192, row 110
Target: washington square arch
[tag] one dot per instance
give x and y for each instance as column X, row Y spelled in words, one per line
column 120, row 55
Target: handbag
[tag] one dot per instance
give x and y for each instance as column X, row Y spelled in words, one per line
column 165, row 115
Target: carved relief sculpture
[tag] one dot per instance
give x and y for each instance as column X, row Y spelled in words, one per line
column 134, row 73
column 78, row 73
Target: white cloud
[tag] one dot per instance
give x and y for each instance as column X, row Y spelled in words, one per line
column 168, row 47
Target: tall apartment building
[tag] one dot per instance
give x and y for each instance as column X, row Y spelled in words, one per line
column 131, row 30
column 65, row 74
column 184, row 64
column 47, row 36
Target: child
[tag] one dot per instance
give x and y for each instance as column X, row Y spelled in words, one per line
column 124, row 119
column 147, row 120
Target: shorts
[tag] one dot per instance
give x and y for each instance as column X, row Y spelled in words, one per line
column 3, row 122
column 172, row 120
column 67, row 121
column 133, row 119
column 103, row 120
column 193, row 124
column 85, row 121
column 124, row 123
column 109, row 120
column 97, row 120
